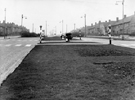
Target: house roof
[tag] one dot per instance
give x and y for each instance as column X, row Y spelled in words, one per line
column 125, row 20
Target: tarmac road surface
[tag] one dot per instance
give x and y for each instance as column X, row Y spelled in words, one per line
column 12, row 52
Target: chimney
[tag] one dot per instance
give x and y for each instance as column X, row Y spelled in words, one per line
column 117, row 19
column 109, row 20
column 95, row 23
column 106, row 21
column 99, row 22
column 91, row 24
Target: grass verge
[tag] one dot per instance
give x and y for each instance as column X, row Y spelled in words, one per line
column 73, row 72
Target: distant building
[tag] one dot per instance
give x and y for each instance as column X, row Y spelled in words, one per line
column 124, row 26
column 119, row 27
column 99, row 28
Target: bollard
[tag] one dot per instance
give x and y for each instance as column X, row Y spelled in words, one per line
column 110, row 40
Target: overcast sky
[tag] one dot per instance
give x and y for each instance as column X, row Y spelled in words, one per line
column 70, row 11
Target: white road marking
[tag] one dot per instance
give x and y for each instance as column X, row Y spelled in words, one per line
column 132, row 45
column 18, row 45
column 28, row 45
column 126, row 45
column 7, row 45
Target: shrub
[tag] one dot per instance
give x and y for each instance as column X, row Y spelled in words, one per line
column 28, row 34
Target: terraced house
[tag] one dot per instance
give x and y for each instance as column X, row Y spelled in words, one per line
column 99, row 28
column 119, row 27
column 124, row 26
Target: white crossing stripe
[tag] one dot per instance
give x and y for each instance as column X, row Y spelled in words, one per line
column 126, row 45
column 28, row 45
column 132, row 44
column 7, row 45
column 18, row 45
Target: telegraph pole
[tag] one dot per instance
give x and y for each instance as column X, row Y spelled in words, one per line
column 62, row 26
column 85, row 24
column 22, row 20
column 66, row 27
column 123, row 14
column 74, row 26
column 46, row 28
column 33, row 27
column 5, row 24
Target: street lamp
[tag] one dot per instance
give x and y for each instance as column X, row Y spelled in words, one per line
column 74, row 26
column 62, row 25
column 66, row 28
column 5, row 24
column 84, row 24
column 122, row 11
column 46, row 28
column 22, row 19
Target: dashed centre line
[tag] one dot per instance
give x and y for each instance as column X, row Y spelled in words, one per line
column 28, row 45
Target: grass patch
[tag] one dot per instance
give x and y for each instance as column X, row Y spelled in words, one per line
column 106, row 50
column 76, row 72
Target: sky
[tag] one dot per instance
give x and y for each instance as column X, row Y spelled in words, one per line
column 52, row 12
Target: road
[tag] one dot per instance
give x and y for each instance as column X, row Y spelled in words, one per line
column 123, row 43
column 12, row 52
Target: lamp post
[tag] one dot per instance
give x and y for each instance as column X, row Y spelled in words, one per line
column 84, row 24
column 66, row 28
column 22, row 19
column 62, row 26
column 33, row 27
column 5, row 24
column 122, row 11
column 46, row 28
column 74, row 27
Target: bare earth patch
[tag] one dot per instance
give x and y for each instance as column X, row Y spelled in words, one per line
column 73, row 72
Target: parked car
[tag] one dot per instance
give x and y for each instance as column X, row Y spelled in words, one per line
column 68, row 37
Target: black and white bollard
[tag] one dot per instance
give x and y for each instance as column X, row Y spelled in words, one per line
column 110, row 39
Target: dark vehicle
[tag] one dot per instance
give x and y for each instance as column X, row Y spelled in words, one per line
column 68, row 37
column 62, row 37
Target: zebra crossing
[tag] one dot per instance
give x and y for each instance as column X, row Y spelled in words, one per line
column 16, row 45
column 17, row 40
